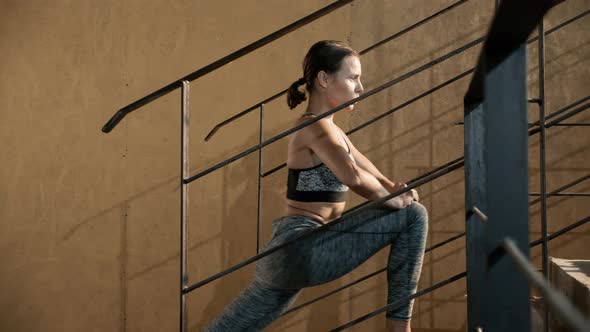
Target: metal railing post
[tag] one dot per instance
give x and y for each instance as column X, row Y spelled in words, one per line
column 184, row 173
column 259, row 214
column 542, row 162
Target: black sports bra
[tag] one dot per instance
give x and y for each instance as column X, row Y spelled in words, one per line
column 316, row 184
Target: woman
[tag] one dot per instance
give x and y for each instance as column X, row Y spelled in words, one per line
column 323, row 164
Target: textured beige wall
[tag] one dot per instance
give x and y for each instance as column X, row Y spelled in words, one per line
column 89, row 221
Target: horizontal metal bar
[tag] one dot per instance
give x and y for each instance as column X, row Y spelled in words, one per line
column 391, row 111
column 565, row 194
column 320, row 229
column 570, row 314
column 564, row 109
column 560, row 118
column 562, row 188
column 535, row 100
column 572, row 124
column 445, row 282
column 223, row 61
column 368, row 49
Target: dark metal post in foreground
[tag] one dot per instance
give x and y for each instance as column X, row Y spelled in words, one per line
column 496, row 169
column 496, row 180
column 184, row 173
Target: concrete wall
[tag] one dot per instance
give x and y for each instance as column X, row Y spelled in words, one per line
column 89, row 222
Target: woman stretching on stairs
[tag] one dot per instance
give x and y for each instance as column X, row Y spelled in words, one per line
column 323, row 163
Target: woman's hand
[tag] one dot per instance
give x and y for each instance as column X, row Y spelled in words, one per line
column 403, row 200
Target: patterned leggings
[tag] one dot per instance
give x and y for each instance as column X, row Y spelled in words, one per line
column 326, row 256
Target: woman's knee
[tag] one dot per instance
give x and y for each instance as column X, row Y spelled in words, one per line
column 418, row 213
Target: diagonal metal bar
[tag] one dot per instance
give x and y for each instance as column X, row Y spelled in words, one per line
column 446, row 282
column 562, row 231
column 368, row 49
column 222, row 62
column 320, row 229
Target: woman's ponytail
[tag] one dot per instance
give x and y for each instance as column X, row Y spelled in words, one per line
column 294, row 95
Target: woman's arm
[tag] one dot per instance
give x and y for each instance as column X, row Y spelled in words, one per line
column 322, row 137
column 364, row 163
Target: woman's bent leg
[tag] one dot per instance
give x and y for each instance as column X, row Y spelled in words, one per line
column 254, row 309
column 330, row 254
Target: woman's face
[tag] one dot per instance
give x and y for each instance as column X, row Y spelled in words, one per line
column 345, row 84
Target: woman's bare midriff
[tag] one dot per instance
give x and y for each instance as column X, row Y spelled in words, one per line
column 320, row 211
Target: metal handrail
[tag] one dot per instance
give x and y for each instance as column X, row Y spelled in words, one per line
column 448, row 281
column 440, row 244
column 572, row 316
column 119, row 115
column 368, row 49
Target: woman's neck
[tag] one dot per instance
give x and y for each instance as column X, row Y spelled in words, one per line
column 315, row 106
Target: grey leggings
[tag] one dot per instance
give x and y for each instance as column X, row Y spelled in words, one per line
column 326, row 256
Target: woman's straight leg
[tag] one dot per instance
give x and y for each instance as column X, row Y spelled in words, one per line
column 254, row 309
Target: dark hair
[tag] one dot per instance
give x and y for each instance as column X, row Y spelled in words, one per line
column 326, row 55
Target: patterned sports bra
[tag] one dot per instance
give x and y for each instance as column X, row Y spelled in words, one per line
column 316, row 184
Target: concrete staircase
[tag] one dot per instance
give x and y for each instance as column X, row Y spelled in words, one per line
column 572, row 278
